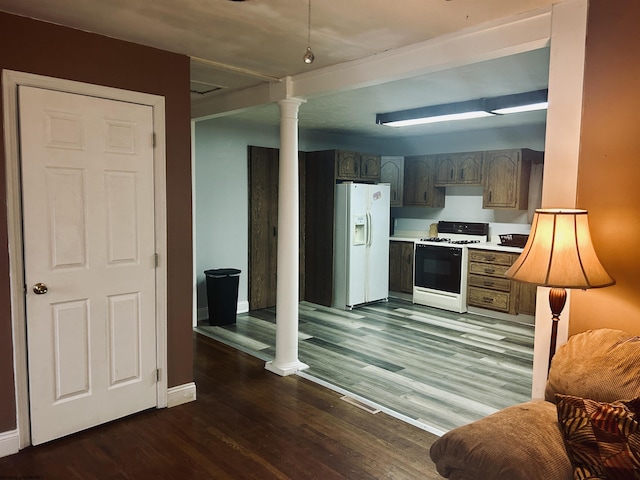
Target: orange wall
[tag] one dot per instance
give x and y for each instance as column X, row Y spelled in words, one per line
column 609, row 165
column 47, row 49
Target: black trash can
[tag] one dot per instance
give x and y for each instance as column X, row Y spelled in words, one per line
column 222, row 295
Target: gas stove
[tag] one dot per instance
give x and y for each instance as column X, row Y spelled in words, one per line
column 459, row 233
column 440, row 269
column 447, row 240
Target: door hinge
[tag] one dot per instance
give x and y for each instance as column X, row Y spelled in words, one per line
column 157, row 374
column 153, row 139
column 156, row 259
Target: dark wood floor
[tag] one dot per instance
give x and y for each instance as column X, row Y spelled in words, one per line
column 247, row 423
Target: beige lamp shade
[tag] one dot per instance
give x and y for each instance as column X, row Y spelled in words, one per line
column 559, row 253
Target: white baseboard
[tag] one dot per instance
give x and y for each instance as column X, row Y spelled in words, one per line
column 9, row 443
column 243, row 307
column 181, row 394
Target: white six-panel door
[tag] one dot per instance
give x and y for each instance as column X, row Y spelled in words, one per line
column 88, row 208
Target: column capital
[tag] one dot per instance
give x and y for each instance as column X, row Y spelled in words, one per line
column 289, row 107
column 292, row 101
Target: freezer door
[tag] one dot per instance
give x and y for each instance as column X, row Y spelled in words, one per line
column 377, row 253
column 357, row 244
column 349, row 245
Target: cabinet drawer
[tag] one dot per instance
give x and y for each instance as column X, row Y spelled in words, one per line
column 490, row 282
column 490, row 299
column 499, row 258
column 488, row 269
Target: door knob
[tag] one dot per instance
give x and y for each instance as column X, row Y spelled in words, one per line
column 40, row 289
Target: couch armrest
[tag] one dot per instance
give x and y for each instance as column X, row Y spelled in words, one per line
column 522, row 442
column 602, row 365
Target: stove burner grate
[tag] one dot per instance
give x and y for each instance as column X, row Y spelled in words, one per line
column 448, row 240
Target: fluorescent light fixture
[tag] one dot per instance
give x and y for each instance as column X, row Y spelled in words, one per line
column 435, row 113
column 532, row 107
column 439, row 118
column 517, row 103
column 483, row 107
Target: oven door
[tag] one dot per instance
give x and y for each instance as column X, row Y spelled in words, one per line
column 438, row 267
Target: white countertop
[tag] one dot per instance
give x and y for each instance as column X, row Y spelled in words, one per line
column 495, row 246
column 400, row 238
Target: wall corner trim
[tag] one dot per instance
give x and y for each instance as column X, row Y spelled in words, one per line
column 9, row 443
column 181, row 394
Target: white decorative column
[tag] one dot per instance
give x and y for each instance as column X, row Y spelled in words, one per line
column 286, row 360
column 561, row 156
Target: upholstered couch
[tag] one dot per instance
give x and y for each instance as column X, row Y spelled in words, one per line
column 546, row 439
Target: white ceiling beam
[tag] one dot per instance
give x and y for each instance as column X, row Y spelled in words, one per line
column 510, row 36
column 239, row 100
column 517, row 35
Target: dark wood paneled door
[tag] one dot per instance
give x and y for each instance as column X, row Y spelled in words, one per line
column 263, row 226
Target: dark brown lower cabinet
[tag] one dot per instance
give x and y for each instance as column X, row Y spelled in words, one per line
column 527, row 298
column 401, row 266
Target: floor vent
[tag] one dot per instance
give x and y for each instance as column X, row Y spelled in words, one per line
column 359, row 404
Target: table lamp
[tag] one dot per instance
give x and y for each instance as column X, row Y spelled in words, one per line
column 559, row 254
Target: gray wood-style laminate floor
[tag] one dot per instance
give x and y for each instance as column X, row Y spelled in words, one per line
column 433, row 368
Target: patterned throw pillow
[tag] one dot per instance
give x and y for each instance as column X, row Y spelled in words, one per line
column 602, row 439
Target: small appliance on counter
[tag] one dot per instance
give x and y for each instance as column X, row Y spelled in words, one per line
column 514, row 240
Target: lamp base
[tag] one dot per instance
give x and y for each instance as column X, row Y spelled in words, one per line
column 557, row 300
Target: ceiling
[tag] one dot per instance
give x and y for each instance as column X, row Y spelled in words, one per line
column 236, row 45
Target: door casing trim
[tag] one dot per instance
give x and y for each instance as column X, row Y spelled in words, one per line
column 10, row 82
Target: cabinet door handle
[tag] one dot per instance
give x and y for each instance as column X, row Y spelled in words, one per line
column 425, row 196
column 489, row 270
column 488, row 284
column 487, row 299
column 451, row 174
column 275, row 232
column 462, row 173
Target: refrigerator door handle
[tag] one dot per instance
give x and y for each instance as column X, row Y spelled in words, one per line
column 369, row 226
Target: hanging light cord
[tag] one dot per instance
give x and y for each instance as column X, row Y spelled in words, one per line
column 308, row 56
column 309, row 29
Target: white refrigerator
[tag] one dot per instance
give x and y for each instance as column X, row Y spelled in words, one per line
column 361, row 244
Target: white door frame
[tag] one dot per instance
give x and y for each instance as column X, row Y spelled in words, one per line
column 11, row 80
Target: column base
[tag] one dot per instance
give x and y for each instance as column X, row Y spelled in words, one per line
column 283, row 371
